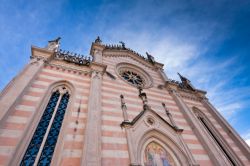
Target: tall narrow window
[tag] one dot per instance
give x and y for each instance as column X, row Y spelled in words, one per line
column 42, row 145
column 214, row 136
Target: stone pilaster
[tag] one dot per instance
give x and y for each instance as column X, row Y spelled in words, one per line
column 96, row 51
column 163, row 74
column 212, row 149
column 92, row 141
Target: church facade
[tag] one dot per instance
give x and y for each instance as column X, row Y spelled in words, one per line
column 114, row 108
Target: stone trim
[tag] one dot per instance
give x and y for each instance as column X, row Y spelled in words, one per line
column 147, row 125
column 128, row 66
column 118, row 54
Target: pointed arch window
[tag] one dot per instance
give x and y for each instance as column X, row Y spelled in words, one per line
column 42, row 145
column 214, row 135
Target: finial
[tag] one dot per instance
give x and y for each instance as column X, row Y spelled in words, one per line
column 123, row 44
column 98, row 40
column 53, row 45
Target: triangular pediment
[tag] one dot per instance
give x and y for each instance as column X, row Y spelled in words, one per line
column 133, row 55
column 150, row 117
column 122, row 51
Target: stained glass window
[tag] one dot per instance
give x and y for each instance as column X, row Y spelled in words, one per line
column 44, row 139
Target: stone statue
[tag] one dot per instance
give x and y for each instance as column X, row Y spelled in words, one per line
column 185, row 83
column 98, row 40
column 53, row 45
column 150, row 58
column 123, row 44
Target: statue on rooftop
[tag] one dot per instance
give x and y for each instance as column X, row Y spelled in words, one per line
column 98, row 40
column 185, row 83
column 150, row 58
column 53, row 45
column 123, row 44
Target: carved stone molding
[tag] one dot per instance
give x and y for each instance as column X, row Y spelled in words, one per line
column 149, row 126
column 124, row 54
column 146, row 78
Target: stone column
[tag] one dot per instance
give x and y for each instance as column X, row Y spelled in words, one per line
column 213, row 151
column 92, row 141
column 18, row 86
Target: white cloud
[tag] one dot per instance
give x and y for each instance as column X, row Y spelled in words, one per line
column 179, row 55
column 248, row 141
column 246, row 137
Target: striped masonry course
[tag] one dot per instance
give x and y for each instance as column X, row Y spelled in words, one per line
column 199, row 105
column 13, row 128
column 112, row 114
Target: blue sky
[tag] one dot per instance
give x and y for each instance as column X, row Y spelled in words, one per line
column 206, row 41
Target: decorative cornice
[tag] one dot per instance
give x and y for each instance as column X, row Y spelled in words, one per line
column 68, row 66
column 118, row 54
column 183, row 88
column 73, row 58
column 98, row 67
column 190, row 97
column 41, row 53
column 68, row 69
column 119, row 49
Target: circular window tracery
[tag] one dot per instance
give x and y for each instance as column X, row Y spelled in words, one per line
column 134, row 75
column 133, row 78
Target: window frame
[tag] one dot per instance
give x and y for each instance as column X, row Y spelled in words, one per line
column 30, row 128
column 62, row 90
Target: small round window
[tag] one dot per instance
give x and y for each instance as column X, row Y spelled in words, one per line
column 134, row 75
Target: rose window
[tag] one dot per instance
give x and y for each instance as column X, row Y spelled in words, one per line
column 133, row 78
column 134, row 75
